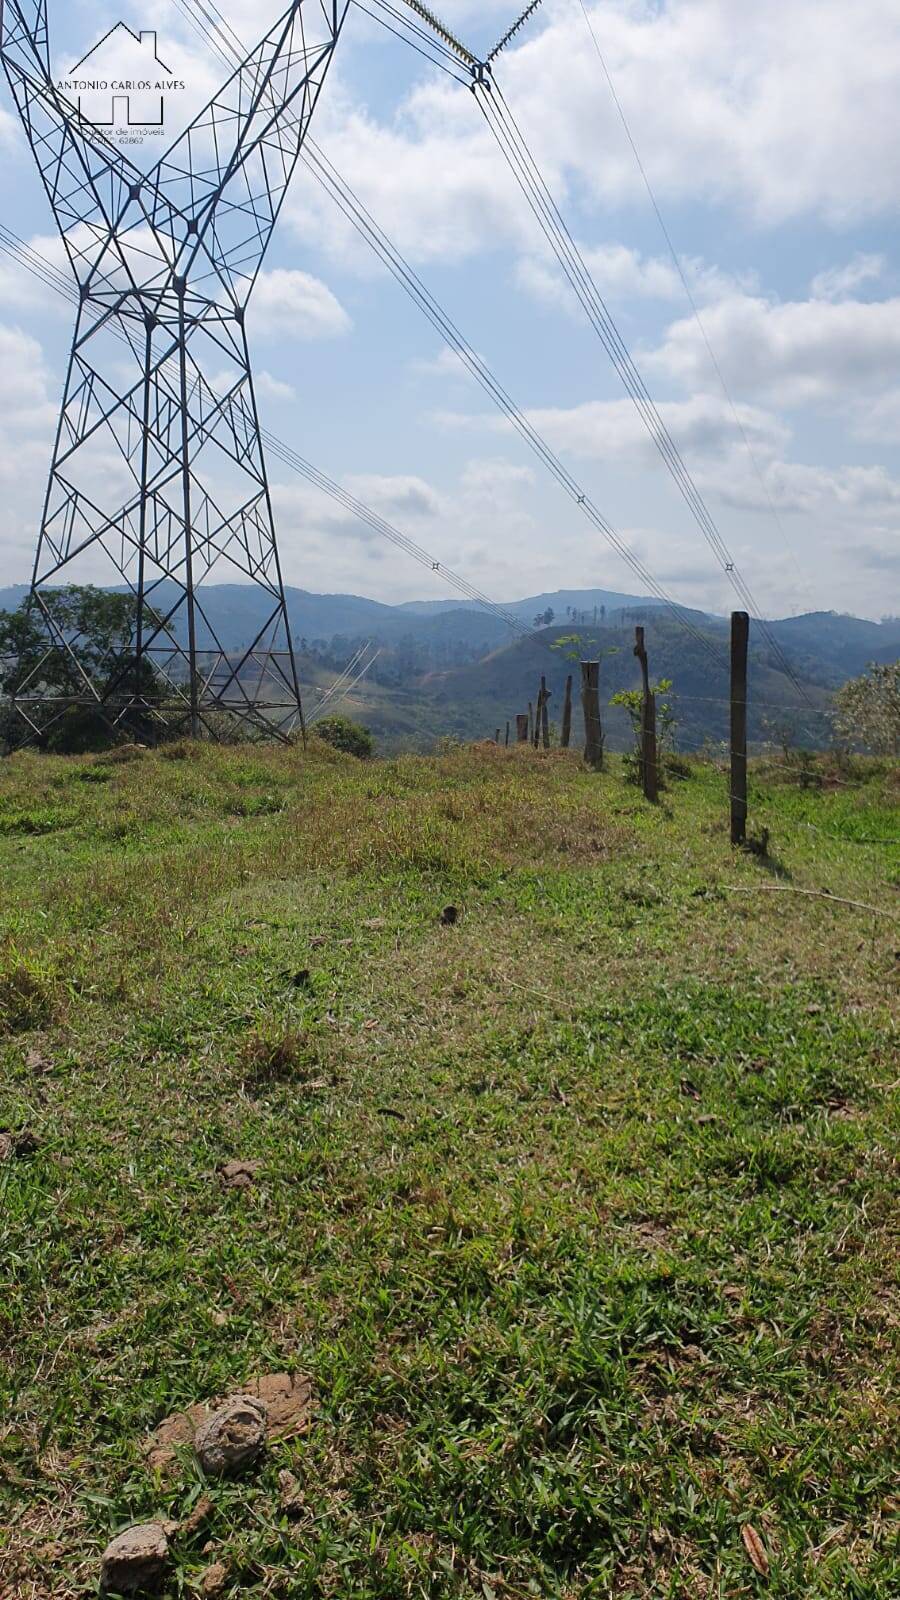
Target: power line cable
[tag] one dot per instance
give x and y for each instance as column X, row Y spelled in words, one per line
column 676, row 259
column 405, row 28
column 524, row 168
column 351, row 206
column 356, row 213
column 31, row 259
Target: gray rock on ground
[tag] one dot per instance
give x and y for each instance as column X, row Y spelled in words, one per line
column 135, row 1561
column 233, row 1436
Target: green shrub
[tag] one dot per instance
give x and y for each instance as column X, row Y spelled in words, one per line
column 348, row 736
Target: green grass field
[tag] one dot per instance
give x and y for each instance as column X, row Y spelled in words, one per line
column 577, row 1212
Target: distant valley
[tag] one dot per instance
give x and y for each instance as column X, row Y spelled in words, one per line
column 450, row 668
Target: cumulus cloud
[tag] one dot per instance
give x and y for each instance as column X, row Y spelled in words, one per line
column 623, row 274
column 702, row 427
column 28, row 416
column 397, row 495
column 272, row 388
column 837, row 283
column 797, row 128
column 792, row 353
column 295, row 305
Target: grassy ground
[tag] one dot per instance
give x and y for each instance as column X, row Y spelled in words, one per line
column 577, row 1212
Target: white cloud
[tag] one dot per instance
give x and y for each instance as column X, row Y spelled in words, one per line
column 274, row 388
column 25, row 401
column 780, row 107
column 288, row 304
column 446, row 364
column 837, row 283
column 398, row 495
column 28, row 417
column 782, row 110
column 878, row 418
column 623, row 274
column 613, row 430
column 801, row 487
column 792, row 353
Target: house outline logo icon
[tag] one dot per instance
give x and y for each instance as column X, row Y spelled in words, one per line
column 121, row 84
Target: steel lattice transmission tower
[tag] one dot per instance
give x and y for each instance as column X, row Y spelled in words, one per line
column 158, row 465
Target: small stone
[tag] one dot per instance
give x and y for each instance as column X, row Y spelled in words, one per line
column 233, row 1436
column 135, row 1561
column 213, row 1579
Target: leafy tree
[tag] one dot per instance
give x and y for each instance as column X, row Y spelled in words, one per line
column 579, row 647
column 867, row 709
column 346, row 735
column 632, row 701
column 101, row 626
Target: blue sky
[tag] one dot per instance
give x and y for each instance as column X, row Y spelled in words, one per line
column 771, row 138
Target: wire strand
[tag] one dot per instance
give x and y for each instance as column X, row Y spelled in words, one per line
column 349, row 203
column 676, row 259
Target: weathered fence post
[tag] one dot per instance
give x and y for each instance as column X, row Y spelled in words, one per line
column 530, row 722
column 506, row 742
column 649, row 767
column 497, row 737
column 740, row 636
column 545, row 719
column 566, row 733
column 590, row 705
column 521, row 727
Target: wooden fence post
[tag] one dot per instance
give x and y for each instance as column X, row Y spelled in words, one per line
column 649, row 766
column 545, row 719
column 590, row 705
column 522, row 727
column 536, row 725
column 507, row 734
column 530, row 722
column 566, row 733
column 497, row 737
column 740, row 636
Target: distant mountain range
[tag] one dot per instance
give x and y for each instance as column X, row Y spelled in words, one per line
column 450, row 667
column 236, row 611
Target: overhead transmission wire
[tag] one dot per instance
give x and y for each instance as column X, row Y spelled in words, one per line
column 692, row 302
column 356, row 213
column 339, row 682
column 26, row 256
column 521, row 161
column 523, row 166
column 342, row 689
column 447, row 59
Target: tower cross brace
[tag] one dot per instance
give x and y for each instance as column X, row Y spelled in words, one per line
column 158, row 474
